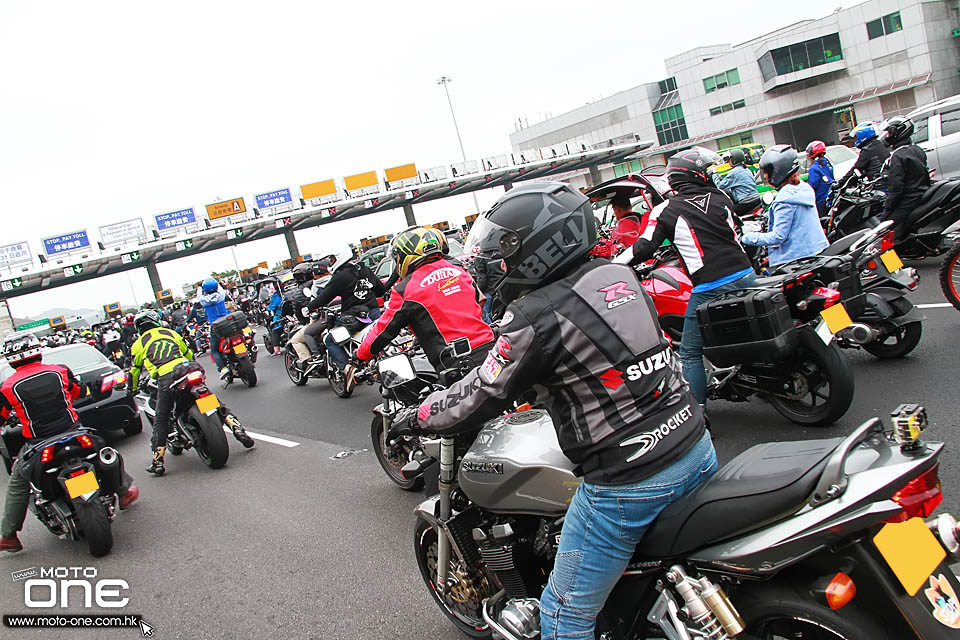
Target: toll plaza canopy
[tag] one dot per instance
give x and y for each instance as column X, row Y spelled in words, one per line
column 94, row 263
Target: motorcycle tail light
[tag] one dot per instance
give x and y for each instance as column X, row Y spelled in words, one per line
column 886, row 242
column 237, row 339
column 840, row 591
column 919, row 497
column 47, row 455
column 872, row 265
column 195, row 377
column 78, row 472
column 830, row 296
column 85, row 441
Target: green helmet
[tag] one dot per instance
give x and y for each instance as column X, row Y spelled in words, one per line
column 146, row 319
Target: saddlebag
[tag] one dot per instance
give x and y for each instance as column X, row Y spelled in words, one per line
column 747, row 326
column 838, row 271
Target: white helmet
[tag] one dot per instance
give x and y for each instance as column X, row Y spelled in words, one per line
column 341, row 258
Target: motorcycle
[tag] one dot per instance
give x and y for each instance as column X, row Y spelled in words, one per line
column 74, row 480
column 237, row 344
column 342, row 384
column 949, row 274
column 890, row 326
column 199, row 336
column 197, row 419
column 821, row 538
column 770, row 340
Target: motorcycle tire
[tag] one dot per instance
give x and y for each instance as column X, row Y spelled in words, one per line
column 133, row 427
column 950, row 276
column 827, row 365
column 774, row 611
column 469, row 619
column 297, row 376
column 95, row 525
column 267, row 342
column 337, row 380
column 391, row 464
column 902, row 341
column 210, row 439
column 247, row 372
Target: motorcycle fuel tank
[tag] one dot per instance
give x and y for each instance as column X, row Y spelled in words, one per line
column 516, row 466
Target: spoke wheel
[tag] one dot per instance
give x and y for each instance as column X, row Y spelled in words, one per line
column 950, row 276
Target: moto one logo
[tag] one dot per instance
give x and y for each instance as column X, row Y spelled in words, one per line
column 62, row 583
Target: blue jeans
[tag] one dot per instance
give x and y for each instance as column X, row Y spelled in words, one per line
column 485, row 312
column 215, row 349
column 691, row 344
column 602, row 528
column 337, row 352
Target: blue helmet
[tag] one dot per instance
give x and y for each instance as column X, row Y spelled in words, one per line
column 864, row 133
column 209, row 285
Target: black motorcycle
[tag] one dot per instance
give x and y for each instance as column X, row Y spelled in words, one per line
column 74, row 480
column 237, row 345
column 198, row 417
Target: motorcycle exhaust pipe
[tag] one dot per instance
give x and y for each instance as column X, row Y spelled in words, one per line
column 861, row 333
column 947, row 530
column 108, row 470
column 108, row 456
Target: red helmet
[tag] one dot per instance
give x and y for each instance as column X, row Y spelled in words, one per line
column 816, row 149
column 128, row 319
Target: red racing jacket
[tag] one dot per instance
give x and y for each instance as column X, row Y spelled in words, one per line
column 42, row 395
column 439, row 303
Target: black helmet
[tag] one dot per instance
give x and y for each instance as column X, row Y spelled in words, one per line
column 691, row 167
column 303, row 272
column 737, row 157
column 146, row 319
column 897, row 131
column 540, row 229
column 21, row 348
column 778, row 163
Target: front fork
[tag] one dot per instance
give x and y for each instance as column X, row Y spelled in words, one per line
column 447, row 477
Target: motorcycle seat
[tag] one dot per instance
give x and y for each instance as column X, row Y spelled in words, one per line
column 747, row 205
column 940, row 194
column 765, row 483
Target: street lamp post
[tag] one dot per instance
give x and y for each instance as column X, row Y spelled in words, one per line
column 445, row 80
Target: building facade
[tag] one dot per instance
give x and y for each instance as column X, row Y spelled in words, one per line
column 812, row 80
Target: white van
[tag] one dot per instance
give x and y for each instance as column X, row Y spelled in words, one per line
column 937, row 131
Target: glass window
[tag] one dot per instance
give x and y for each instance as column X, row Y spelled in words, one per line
column 715, row 111
column 767, row 69
column 875, row 28
column 798, row 56
column 709, row 85
column 726, row 107
column 781, row 60
column 921, row 131
column 733, row 77
column 892, row 23
column 950, row 122
column 747, row 138
column 679, row 111
column 721, row 80
column 831, row 48
column 815, row 52
column 739, row 104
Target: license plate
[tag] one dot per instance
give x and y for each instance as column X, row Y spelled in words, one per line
column 836, row 318
column 247, row 331
column 891, row 261
column 240, row 348
column 911, row 552
column 208, row 404
column 82, row 484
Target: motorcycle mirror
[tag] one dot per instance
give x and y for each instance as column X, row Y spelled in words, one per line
column 396, row 370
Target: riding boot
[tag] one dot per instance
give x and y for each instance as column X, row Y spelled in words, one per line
column 238, row 431
column 156, row 467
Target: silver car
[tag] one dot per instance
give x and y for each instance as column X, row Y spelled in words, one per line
column 937, row 131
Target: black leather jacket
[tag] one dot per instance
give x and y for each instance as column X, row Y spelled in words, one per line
column 906, row 176
column 870, row 161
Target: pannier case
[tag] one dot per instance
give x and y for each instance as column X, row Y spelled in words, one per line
column 747, row 326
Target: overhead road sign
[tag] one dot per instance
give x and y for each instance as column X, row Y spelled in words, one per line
column 175, row 219
column 67, row 243
column 225, row 209
column 164, row 294
column 132, row 256
column 320, row 193
column 274, row 202
column 112, row 308
column 26, row 326
column 433, row 174
column 10, row 285
column 362, row 184
column 121, row 232
column 74, row 270
column 58, row 321
column 183, row 245
column 14, row 254
column 403, row 176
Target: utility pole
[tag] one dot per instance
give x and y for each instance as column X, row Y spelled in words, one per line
column 445, row 80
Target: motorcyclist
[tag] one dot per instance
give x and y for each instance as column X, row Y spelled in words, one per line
column 872, row 152
column 159, row 350
column 42, row 396
column 820, row 175
column 738, row 183
column 358, row 288
column 435, row 298
column 111, row 340
column 274, row 311
column 178, row 317
column 698, row 220
column 297, row 294
column 794, row 224
column 905, row 174
column 562, row 332
column 197, row 314
column 213, row 299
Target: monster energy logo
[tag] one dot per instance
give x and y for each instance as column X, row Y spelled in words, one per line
column 160, row 350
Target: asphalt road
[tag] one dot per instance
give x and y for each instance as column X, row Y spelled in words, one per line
column 295, row 542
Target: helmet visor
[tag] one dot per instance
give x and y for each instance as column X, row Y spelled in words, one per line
column 488, row 239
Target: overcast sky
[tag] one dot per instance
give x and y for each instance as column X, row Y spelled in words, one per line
column 115, row 110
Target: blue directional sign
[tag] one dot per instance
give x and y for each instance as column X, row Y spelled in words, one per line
column 175, row 219
column 273, row 198
column 66, row 243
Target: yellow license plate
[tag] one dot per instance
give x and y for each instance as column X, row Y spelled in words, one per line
column 240, row 348
column 82, row 484
column 911, row 551
column 891, row 261
column 836, row 317
column 208, row 403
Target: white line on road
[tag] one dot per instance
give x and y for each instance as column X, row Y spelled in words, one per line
column 934, row 305
column 270, row 439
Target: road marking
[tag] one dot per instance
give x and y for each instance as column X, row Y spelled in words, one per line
column 934, row 305
column 270, row 439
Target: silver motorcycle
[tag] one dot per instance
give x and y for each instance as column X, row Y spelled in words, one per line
column 813, row 539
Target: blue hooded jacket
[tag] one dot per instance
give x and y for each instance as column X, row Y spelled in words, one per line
column 795, row 230
column 213, row 303
column 820, row 177
column 738, row 183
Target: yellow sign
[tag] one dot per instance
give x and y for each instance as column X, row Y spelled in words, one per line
column 164, row 293
column 263, row 265
column 403, row 172
column 219, row 210
column 318, row 189
column 836, row 318
column 911, row 551
column 59, row 321
column 113, row 307
column 361, row 180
